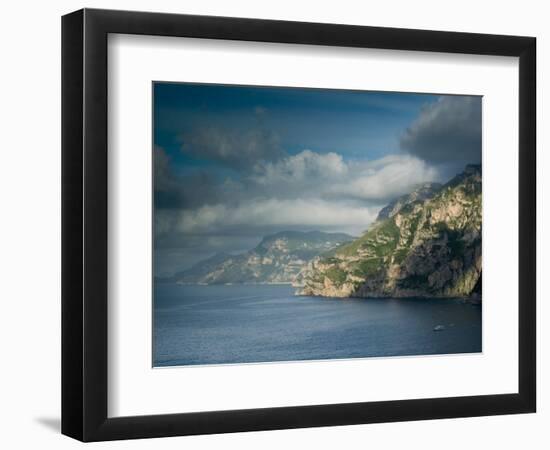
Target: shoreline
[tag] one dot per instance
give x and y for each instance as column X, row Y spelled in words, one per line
column 474, row 299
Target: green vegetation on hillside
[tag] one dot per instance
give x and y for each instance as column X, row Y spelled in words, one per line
column 426, row 244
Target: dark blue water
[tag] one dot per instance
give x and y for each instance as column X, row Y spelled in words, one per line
column 241, row 324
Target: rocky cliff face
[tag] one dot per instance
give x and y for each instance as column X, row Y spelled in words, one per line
column 425, row 244
column 423, row 192
column 279, row 258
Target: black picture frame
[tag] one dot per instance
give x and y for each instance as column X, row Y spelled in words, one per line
column 84, row 224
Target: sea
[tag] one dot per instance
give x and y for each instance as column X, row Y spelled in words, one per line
column 236, row 324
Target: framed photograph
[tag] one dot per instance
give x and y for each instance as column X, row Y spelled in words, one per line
column 273, row 224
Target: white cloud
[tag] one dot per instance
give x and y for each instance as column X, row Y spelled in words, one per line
column 310, row 174
column 312, row 214
column 308, row 190
column 384, row 179
column 296, row 169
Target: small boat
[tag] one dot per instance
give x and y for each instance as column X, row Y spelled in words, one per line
column 439, row 328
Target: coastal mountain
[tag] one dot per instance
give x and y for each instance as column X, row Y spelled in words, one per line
column 427, row 244
column 278, row 258
column 423, row 192
column 202, row 269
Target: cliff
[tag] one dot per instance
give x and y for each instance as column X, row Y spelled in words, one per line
column 426, row 244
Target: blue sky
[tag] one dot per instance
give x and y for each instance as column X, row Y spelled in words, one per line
column 358, row 124
column 234, row 163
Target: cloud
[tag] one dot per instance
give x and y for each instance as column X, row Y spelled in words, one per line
column 448, row 130
column 306, row 165
column 307, row 175
column 385, row 179
column 305, row 191
column 234, row 148
column 187, row 191
column 268, row 214
column 311, row 174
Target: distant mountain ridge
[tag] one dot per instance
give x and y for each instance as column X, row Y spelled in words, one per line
column 426, row 244
column 278, row 258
